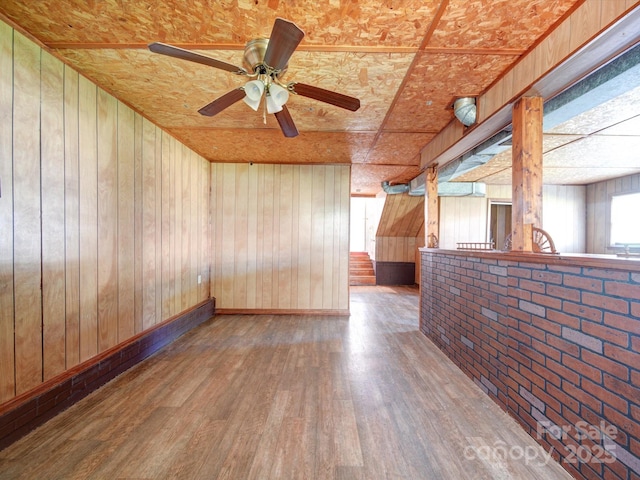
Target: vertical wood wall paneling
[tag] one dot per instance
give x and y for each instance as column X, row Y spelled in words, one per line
column 305, row 236
column 88, row 220
column 267, row 235
column 285, row 237
column 107, row 221
column 27, row 229
column 280, row 236
column 329, row 213
column 341, row 225
column 206, row 242
column 84, row 234
column 184, row 228
column 275, row 236
column 7, row 358
column 148, row 224
column 174, row 163
column 72, row 217
column 295, row 235
column 178, row 244
column 598, row 200
column 317, row 235
column 138, row 222
column 158, row 227
column 216, row 234
column 53, row 221
column 167, row 279
column 241, row 234
column 253, row 202
column 126, row 222
column 193, row 228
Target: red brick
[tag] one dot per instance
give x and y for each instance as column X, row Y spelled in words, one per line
column 624, row 423
column 563, row 292
column 635, row 413
column 565, row 269
column 622, row 322
column 583, row 283
column 532, row 286
column 547, row 301
column 621, row 388
column 566, row 401
column 519, row 293
column 606, row 334
column 634, row 446
column 532, row 331
column 582, row 368
column 546, row 374
column 546, row 276
column 605, row 302
column 518, row 272
column 608, row 474
column 581, row 396
column 546, row 349
column 614, row 368
column 564, row 372
column 607, row 396
column 582, row 311
column 563, row 319
column 560, row 344
column 623, row 356
column 625, row 290
column 607, row 274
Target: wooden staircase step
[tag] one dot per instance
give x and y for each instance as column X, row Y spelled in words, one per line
column 361, row 270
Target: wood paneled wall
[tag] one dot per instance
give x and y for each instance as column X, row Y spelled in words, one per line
column 280, row 237
column 599, row 210
column 401, row 229
column 465, row 219
column 104, row 219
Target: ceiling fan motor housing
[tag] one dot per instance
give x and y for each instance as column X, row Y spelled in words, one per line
column 254, row 52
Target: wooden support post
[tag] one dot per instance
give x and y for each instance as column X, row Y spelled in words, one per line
column 432, row 213
column 526, row 211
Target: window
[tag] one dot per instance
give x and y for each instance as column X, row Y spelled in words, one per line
column 625, row 227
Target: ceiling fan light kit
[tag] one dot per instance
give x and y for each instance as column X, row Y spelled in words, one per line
column 265, row 61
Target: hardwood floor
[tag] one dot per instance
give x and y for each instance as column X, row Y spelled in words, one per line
column 289, row 397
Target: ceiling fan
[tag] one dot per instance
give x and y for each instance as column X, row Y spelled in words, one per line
column 265, row 61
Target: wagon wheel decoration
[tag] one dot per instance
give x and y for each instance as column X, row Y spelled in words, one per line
column 542, row 242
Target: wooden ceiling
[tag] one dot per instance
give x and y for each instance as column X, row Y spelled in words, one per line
column 406, row 60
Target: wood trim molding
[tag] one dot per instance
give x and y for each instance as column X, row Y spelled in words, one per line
column 25, row 412
column 258, row 311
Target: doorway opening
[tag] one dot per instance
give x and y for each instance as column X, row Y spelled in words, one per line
column 499, row 222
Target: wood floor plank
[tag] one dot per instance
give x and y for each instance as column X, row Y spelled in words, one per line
column 286, row 396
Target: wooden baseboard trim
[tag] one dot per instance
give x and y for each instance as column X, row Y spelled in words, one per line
column 31, row 409
column 249, row 311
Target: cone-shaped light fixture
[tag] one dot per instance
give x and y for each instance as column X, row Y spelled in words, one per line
column 253, row 90
column 276, row 98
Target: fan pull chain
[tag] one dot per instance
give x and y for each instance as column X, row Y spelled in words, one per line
column 264, row 112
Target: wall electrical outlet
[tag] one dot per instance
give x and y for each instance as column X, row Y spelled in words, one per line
column 199, row 279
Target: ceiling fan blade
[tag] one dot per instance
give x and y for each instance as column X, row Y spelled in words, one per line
column 222, row 102
column 178, row 52
column 326, row 96
column 286, row 122
column 285, row 38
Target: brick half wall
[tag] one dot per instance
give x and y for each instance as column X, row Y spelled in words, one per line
column 555, row 341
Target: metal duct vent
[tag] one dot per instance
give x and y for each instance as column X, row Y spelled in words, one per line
column 462, row 189
column 395, row 189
